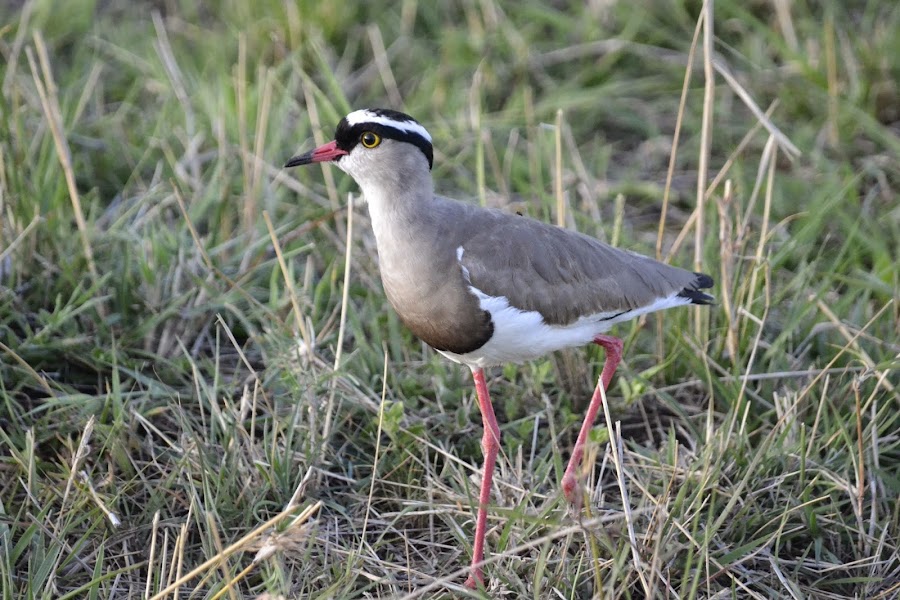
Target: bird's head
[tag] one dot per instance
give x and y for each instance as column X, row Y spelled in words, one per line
column 377, row 147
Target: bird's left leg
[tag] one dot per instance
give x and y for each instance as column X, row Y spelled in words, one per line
column 613, row 347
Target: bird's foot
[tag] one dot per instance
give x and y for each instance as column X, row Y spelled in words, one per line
column 571, row 490
column 474, row 579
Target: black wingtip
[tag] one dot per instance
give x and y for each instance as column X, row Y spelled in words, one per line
column 693, row 293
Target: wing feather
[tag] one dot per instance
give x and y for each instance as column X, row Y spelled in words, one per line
column 563, row 274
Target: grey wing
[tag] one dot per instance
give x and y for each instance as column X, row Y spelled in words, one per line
column 563, row 274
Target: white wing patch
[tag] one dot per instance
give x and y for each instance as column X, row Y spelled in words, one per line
column 465, row 271
column 367, row 116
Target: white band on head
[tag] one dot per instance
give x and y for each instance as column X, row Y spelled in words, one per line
column 367, row 116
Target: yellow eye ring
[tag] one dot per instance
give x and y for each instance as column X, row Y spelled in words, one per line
column 369, row 139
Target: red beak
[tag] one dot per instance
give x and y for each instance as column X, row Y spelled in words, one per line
column 324, row 153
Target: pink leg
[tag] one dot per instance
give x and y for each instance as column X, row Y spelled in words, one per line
column 490, row 444
column 613, row 347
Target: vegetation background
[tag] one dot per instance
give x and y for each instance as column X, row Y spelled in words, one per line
column 196, row 392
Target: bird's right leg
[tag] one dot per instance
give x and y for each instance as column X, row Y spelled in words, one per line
column 490, row 444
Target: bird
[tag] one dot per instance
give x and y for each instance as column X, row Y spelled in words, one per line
column 484, row 287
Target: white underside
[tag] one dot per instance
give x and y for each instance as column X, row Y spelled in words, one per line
column 521, row 335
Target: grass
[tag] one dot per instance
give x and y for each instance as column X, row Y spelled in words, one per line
column 197, row 388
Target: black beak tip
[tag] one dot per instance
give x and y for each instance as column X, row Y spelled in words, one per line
column 296, row 161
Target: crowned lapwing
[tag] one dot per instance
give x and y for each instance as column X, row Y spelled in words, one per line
column 484, row 287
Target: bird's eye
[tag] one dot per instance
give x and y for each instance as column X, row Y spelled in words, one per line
column 369, row 139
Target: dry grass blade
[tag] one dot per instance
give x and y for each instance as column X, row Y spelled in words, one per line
column 299, row 321
column 17, row 45
column 151, row 560
column 384, row 65
column 315, row 122
column 709, row 89
column 720, row 66
column 717, row 180
column 47, row 91
column 10, row 248
column 783, row 141
column 28, row 369
column 239, row 546
column 164, row 48
column 259, row 148
column 558, row 534
column 851, row 339
column 558, row 171
column 727, row 266
column 615, row 445
column 223, row 564
column 374, row 476
column 345, row 297
column 676, row 135
column 846, row 347
column 474, row 115
column 239, row 77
